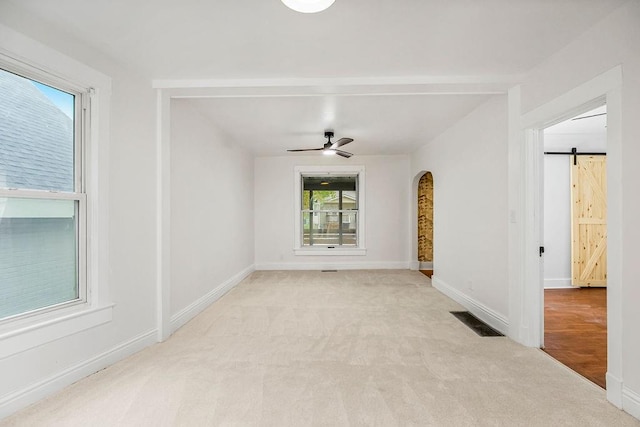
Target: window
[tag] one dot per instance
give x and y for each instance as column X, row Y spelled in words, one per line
column 329, row 210
column 42, row 198
column 54, row 245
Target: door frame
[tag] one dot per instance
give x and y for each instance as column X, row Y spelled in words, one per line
column 526, row 302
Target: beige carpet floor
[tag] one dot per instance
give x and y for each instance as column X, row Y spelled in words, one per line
column 350, row 348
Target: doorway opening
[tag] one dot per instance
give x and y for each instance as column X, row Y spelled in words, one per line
column 425, row 224
column 575, row 243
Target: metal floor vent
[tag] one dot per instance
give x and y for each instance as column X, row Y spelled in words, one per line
column 328, row 271
column 477, row 325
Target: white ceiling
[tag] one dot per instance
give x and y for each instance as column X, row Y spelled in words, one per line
column 438, row 40
column 589, row 123
column 587, row 132
column 387, row 124
column 263, row 38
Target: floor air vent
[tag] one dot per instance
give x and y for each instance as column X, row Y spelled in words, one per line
column 477, row 325
column 328, row 271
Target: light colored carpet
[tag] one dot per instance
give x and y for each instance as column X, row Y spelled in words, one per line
column 352, row 348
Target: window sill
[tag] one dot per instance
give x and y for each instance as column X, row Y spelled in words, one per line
column 328, row 251
column 25, row 338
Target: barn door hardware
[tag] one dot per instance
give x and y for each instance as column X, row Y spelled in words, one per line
column 575, row 154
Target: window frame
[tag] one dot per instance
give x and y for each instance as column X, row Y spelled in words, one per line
column 92, row 90
column 301, row 171
column 78, row 195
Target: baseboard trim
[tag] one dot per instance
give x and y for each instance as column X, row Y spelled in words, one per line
column 481, row 311
column 426, row 265
column 20, row 399
column 614, row 390
column 399, row 265
column 631, row 402
column 557, row 283
column 192, row 310
column 414, row 265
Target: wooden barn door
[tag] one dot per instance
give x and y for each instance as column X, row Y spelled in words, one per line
column 589, row 221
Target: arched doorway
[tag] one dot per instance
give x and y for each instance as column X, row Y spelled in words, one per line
column 425, row 223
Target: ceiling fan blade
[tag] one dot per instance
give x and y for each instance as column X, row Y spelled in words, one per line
column 343, row 153
column 341, row 142
column 307, row 149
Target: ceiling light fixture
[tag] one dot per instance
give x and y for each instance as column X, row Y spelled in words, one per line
column 328, row 152
column 308, row 6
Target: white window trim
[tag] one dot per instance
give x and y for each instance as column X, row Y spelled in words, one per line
column 299, row 171
column 34, row 329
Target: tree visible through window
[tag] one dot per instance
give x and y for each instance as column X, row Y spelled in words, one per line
column 41, row 199
column 330, row 211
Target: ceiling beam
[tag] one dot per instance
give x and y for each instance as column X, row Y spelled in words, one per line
column 417, row 85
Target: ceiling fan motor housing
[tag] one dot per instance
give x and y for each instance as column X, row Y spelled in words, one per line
column 328, row 134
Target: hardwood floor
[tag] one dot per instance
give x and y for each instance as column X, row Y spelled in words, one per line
column 428, row 273
column 575, row 330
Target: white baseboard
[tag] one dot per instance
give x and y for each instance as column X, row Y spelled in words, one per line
column 481, row 311
column 631, row 402
column 557, row 283
column 399, row 265
column 614, row 390
column 193, row 309
column 414, row 265
column 22, row 398
column 424, row 265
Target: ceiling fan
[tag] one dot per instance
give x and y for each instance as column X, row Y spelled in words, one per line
column 330, row 148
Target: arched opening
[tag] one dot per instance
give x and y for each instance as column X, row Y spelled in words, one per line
column 425, row 223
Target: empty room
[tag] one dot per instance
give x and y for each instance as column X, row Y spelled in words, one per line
column 315, row 212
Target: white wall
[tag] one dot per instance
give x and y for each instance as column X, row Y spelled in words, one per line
column 387, row 216
column 557, row 222
column 469, row 167
column 611, row 42
column 132, row 203
column 211, row 208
